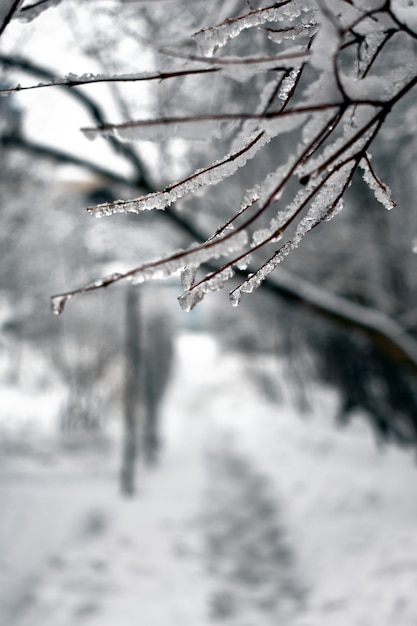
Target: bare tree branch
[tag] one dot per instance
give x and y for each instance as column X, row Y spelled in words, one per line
column 93, row 109
column 8, row 9
column 338, row 123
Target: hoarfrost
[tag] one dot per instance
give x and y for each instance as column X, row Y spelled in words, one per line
column 327, row 204
column 192, row 257
column 268, row 189
column 380, row 190
column 346, row 146
column 260, row 235
column 201, row 178
column 256, row 279
column 273, row 232
column 58, row 303
column 251, row 196
column 189, row 299
column 288, row 84
column 293, row 32
column 235, row 296
column 213, row 282
column 336, row 210
column 188, row 276
column 211, row 39
column 372, row 41
column 324, row 207
column 243, row 263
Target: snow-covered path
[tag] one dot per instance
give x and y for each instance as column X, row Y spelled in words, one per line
column 254, row 516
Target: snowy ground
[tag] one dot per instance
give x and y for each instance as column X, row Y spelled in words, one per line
column 255, row 516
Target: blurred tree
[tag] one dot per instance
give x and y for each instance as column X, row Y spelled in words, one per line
column 294, row 95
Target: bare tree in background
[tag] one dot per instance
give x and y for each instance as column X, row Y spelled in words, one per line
column 332, row 80
column 317, row 81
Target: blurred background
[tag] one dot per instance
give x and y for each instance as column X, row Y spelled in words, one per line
column 244, row 466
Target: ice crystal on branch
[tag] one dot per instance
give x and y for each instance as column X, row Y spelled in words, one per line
column 317, row 80
column 381, row 191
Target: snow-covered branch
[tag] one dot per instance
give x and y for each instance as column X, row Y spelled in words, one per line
column 319, row 79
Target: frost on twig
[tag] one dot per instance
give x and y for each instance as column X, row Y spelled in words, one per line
column 318, row 80
column 160, row 269
column 208, row 176
column 212, row 38
column 380, row 190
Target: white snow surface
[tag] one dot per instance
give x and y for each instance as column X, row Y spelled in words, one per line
column 72, row 551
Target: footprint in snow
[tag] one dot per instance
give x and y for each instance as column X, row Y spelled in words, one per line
column 249, row 559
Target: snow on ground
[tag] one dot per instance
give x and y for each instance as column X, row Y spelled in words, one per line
column 254, row 516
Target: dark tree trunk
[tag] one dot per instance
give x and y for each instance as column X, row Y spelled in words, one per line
column 132, row 393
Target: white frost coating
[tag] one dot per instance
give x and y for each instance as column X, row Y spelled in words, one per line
column 373, row 40
column 194, row 256
column 323, row 208
column 380, row 190
column 201, row 178
column 243, row 263
column 89, row 77
column 188, row 276
column 363, row 115
column 251, row 196
column 260, row 235
column 211, row 39
column 335, row 211
column 288, row 84
column 105, row 280
column 189, row 299
column 306, row 27
column 58, row 303
column 256, row 279
column 235, row 296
